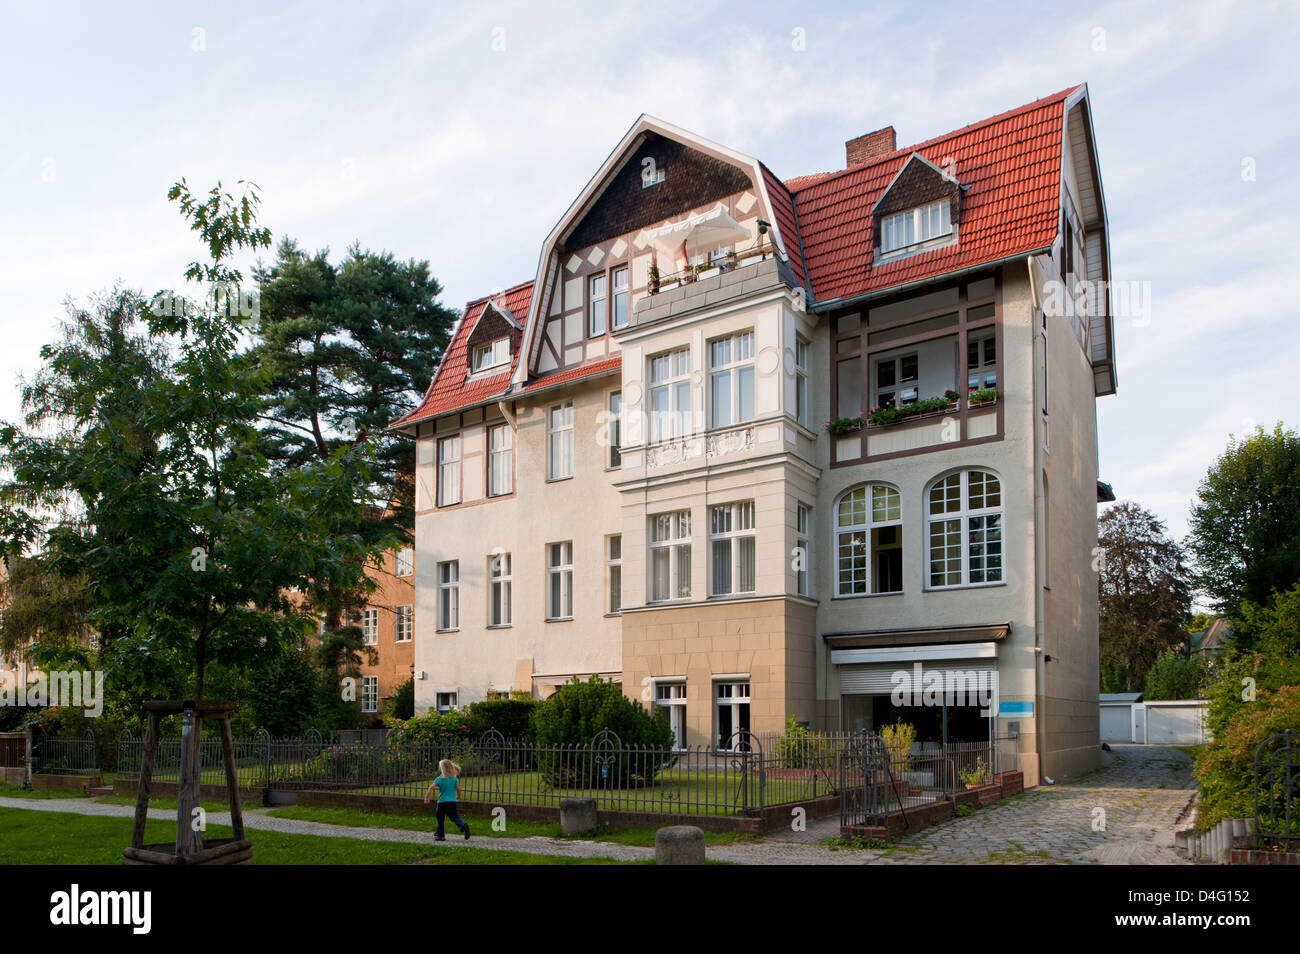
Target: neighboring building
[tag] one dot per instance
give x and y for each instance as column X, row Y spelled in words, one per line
column 387, row 623
column 1211, row 641
column 622, row 466
column 388, row 626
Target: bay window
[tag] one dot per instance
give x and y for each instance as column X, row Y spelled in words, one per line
column 670, row 395
column 731, row 549
column 731, row 380
column 670, row 556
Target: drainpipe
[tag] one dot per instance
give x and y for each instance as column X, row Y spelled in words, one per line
column 1040, row 652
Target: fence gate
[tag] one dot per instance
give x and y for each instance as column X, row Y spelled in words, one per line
column 863, row 780
column 1277, row 790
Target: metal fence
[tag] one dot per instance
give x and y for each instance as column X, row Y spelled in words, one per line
column 744, row 775
column 64, row 755
column 875, row 781
column 1277, row 790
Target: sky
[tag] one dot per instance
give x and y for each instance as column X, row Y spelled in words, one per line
column 460, row 134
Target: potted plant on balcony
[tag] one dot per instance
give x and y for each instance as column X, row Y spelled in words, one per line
column 888, row 414
column 843, row 425
column 979, row 397
column 654, row 279
column 732, row 259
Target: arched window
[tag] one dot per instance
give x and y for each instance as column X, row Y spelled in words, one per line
column 869, row 541
column 964, row 528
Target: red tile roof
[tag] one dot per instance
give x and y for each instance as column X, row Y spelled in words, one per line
column 598, row 366
column 450, row 390
column 783, row 212
column 1010, row 165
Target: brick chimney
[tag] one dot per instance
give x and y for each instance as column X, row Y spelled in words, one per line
column 871, row 146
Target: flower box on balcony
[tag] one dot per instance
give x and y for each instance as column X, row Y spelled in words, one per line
column 982, row 398
column 708, row 272
column 930, row 407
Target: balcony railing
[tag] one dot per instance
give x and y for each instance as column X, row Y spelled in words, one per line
column 694, row 273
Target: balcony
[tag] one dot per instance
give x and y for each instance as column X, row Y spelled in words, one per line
column 928, row 368
column 701, row 286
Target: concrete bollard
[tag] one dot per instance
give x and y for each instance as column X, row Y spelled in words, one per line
column 577, row 815
column 679, row 845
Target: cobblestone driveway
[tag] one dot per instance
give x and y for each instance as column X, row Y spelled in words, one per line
column 1143, row 791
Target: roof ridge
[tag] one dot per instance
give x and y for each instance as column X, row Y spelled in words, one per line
column 969, row 127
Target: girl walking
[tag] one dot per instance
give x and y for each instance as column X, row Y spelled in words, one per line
column 447, row 782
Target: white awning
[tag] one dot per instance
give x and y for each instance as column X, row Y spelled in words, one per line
column 701, row 233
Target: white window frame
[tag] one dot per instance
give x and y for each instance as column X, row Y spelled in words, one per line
column 670, row 694
column 501, row 460
column 802, row 410
column 902, row 391
column 614, row 404
column 620, row 293
column 965, row 515
column 559, row 572
column 370, row 626
column 404, row 562
column 449, row 470
column 496, row 353
column 916, row 226
column 669, row 375
column 597, row 305
column 803, row 538
column 559, row 441
column 731, row 371
column 670, row 533
column 453, row 700
column 731, row 527
column 403, row 622
column 500, row 587
column 449, row 596
column 857, row 532
column 737, row 695
column 984, row 341
column 614, row 573
column 369, row 694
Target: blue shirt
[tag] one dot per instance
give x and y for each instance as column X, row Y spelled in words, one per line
column 446, row 788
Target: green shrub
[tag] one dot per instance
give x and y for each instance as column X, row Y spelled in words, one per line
column 1225, row 767
column 898, row 739
column 577, row 713
column 511, row 717
column 803, row 748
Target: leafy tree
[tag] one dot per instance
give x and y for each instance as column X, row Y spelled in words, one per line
column 1144, row 592
column 1245, row 528
column 188, row 542
column 348, row 349
column 1115, row 676
column 1175, row 676
column 402, row 703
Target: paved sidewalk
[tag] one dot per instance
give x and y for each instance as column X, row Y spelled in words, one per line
column 1122, row 813
column 1142, row 790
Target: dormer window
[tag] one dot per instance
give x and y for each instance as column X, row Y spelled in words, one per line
column 915, row 226
column 491, row 355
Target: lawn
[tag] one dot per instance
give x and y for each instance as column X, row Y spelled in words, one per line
column 481, row 826
column 685, row 792
column 49, row 838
